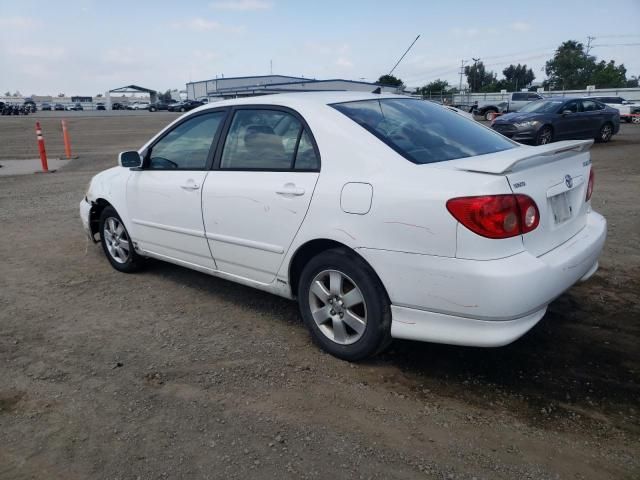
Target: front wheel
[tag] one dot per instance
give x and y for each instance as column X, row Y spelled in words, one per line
column 544, row 136
column 636, row 118
column 183, row 109
column 344, row 305
column 489, row 115
column 117, row 244
column 605, row 134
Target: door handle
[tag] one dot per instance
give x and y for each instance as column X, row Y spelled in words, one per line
column 190, row 186
column 290, row 190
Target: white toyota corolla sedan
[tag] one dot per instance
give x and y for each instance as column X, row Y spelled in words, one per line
column 384, row 216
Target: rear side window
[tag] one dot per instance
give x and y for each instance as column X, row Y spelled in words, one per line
column 423, row 132
column 268, row 140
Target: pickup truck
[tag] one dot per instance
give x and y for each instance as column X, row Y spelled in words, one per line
column 629, row 111
column 514, row 102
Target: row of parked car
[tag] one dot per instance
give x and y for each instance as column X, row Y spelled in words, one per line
column 177, row 106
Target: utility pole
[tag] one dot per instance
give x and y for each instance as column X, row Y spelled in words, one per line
column 589, row 39
column 475, row 71
column 270, row 67
column 462, row 62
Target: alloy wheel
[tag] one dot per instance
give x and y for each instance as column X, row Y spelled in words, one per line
column 605, row 133
column 116, row 240
column 545, row 136
column 635, row 119
column 338, row 307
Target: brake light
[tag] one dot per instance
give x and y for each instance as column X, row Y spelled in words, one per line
column 590, row 185
column 496, row 216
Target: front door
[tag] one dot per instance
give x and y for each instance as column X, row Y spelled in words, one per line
column 164, row 197
column 571, row 125
column 254, row 202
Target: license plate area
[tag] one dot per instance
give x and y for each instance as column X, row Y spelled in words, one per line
column 561, row 208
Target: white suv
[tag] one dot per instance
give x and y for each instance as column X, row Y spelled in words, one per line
column 629, row 111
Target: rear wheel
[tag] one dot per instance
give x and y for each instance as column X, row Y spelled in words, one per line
column 344, row 305
column 117, row 244
column 635, row 119
column 605, row 134
column 182, row 109
column 544, row 136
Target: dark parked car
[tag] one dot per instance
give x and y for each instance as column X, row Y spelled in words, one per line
column 117, row 106
column 58, row 106
column 45, row 106
column 154, row 107
column 185, row 106
column 546, row 121
column 100, row 106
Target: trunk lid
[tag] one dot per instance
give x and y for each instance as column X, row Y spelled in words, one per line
column 555, row 176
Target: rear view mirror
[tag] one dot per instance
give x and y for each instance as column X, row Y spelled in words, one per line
column 130, row 159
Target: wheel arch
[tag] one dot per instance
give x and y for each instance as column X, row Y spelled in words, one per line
column 97, row 206
column 310, row 249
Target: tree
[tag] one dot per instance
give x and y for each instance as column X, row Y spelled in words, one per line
column 570, row 67
column 61, row 95
column 390, row 80
column 633, row 82
column 165, row 97
column 17, row 93
column 517, row 77
column 99, row 95
column 436, row 87
column 607, row 75
column 7, row 94
column 479, row 79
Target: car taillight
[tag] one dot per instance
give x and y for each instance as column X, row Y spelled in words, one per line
column 496, row 216
column 590, row 186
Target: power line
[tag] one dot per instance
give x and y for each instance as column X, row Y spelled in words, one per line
column 616, row 45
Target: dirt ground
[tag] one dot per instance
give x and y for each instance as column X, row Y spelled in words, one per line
column 174, row 374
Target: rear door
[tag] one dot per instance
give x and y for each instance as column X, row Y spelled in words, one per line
column 256, row 198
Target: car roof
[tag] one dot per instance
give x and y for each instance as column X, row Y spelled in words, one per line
column 302, row 99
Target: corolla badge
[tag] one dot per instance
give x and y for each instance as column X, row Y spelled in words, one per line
column 568, row 180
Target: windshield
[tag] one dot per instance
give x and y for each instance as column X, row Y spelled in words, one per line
column 542, row 106
column 423, row 132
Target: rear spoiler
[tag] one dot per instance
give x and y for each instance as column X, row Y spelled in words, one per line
column 507, row 160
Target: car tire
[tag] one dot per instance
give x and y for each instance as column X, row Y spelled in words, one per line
column 152, row 109
column 490, row 114
column 116, row 243
column 636, row 119
column 183, row 109
column 544, row 135
column 344, row 305
column 605, row 133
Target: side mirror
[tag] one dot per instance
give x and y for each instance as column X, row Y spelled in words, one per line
column 130, row 159
column 566, row 112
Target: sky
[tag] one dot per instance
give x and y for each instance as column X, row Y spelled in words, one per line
column 86, row 47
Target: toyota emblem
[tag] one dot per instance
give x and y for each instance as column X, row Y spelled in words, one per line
column 568, row 180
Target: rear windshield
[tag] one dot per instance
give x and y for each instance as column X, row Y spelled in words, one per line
column 423, row 132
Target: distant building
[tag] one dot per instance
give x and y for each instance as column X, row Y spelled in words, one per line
column 233, row 87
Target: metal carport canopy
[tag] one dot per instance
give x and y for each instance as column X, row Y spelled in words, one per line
column 133, row 89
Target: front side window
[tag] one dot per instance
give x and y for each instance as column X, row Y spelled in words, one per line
column 591, row 106
column 519, row 97
column 572, row 106
column 423, row 132
column 187, row 146
column 267, row 140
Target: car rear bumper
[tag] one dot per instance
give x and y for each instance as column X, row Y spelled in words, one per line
column 482, row 303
